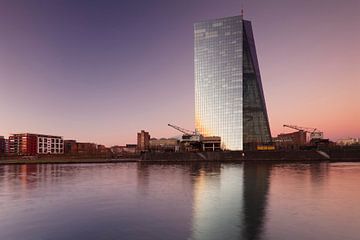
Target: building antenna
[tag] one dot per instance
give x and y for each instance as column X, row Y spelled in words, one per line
column 242, row 9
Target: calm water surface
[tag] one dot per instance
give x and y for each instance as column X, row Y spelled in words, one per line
column 186, row 201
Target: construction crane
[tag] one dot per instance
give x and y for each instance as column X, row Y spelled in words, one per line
column 183, row 130
column 188, row 136
column 305, row 129
column 190, row 140
column 314, row 133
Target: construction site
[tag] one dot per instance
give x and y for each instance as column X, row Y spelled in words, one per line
column 303, row 144
column 189, row 141
column 304, row 138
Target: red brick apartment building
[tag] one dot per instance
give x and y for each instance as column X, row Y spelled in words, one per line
column 32, row 144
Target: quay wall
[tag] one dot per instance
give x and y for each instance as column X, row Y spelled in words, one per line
column 310, row 155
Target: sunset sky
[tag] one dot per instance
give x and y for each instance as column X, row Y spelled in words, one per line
column 99, row 71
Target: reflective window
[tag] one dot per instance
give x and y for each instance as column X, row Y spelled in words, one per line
column 229, row 100
column 218, row 80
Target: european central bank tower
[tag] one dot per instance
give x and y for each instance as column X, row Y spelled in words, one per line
column 229, row 98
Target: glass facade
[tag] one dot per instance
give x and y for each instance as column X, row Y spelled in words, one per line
column 224, row 61
column 255, row 119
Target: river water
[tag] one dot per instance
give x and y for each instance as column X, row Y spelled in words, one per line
column 180, row 201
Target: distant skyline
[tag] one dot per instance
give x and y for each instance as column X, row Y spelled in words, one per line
column 100, row 71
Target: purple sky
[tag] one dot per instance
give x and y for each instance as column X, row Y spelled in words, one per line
column 100, row 71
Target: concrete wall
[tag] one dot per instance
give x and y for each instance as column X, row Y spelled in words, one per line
column 234, row 156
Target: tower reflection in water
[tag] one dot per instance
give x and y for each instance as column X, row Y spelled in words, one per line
column 180, row 201
column 256, row 188
column 230, row 201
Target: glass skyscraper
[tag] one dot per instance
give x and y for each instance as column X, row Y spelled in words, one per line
column 229, row 99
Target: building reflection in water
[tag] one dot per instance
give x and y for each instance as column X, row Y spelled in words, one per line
column 26, row 177
column 164, row 197
column 180, row 201
column 143, row 178
column 194, row 200
column 230, row 201
column 255, row 197
column 319, row 174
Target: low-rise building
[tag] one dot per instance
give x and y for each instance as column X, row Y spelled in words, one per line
column 6, row 146
column 291, row 141
column 23, row 144
column 2, row 145
column 211, row 144
column 348, row 141
column 48, row 144
column 130, row 148
column 164, row 145
column 102, row 149
column 70, row 147
column 87, row 148
column 32, row 144
column 117, row 149
column 196, row 143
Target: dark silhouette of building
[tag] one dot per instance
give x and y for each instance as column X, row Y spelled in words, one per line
column 70, row 147
column 87, row 148
column 294, row 140
column 2, row 145
column 143, row 141
column 256, row 188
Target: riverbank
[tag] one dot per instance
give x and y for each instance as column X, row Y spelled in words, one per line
column 179, row 157
column 276, row 156
column 66, row 161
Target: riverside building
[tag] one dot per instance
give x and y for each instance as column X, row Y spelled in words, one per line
column 143, row 141
column 48, row 144
column 2, row 145
column 229, row 98
column 32, row 144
